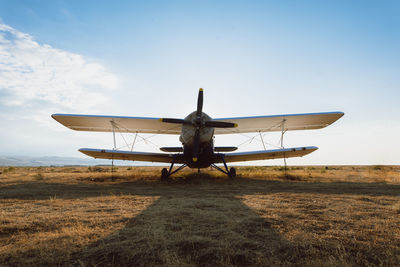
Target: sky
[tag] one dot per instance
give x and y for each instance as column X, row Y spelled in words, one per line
column 149, row 58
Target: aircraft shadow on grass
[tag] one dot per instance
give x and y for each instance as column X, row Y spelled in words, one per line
column 197, row 229
column 201, row 224
column 241, row 186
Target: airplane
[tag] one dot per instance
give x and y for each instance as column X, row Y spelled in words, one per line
column 197, row 132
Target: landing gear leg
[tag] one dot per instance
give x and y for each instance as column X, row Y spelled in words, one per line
column 231, row 173
column 165, row 173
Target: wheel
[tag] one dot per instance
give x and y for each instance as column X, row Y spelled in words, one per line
column 164, row 174
column 232, row 172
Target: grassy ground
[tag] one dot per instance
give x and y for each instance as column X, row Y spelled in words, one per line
column 316, row 216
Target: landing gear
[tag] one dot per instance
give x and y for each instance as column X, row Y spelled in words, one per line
column 165, row 173
column 232, row 173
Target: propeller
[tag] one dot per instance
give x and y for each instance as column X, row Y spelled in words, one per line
column 179, row 121
column 198, row 123
column 213, row 124
column 220, row 124
column 200, row 103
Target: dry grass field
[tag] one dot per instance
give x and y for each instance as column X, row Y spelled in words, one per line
column 316, row 216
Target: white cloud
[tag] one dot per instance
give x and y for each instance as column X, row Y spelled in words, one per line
column 40, row 76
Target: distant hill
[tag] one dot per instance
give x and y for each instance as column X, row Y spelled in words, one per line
column 56, row 161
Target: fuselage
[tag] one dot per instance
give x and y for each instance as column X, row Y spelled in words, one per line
column 206, row 142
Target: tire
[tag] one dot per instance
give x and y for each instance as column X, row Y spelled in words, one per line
column 164, row 174
column 232, row 172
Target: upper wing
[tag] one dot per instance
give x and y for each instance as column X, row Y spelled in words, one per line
column 128, row 155
column 154, row 125
column 269, row 154
column 279, row 122
column 120, row 124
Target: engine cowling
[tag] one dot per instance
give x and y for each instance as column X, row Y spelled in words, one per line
column 188, row 131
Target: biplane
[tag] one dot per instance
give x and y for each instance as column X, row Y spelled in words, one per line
column 197, row 132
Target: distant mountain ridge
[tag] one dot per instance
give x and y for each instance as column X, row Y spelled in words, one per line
column 56, row 161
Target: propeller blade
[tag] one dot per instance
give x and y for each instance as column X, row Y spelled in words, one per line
column 220, row 124
column 200, row 103
column 171, row 120
column 196, row 144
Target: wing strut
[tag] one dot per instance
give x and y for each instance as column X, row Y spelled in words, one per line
column 282, row 146
column 262, row 140
column 113, row 130
column 115, row 147
column 283, row 131
column 134, row 141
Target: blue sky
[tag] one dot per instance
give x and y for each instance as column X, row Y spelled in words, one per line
column 148, row 58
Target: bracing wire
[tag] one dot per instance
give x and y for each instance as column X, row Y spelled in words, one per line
column 143, row 139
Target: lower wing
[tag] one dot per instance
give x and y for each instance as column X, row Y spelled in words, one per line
column 169, row 158
column 127, row 155
column 269, row 154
